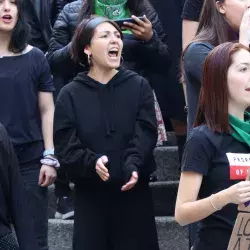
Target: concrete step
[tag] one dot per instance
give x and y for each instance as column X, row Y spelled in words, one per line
column 164, row 196
column 167, row 161
column 171, row 235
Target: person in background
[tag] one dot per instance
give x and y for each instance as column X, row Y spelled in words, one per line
column 57, row 7
column 27, row 110
column 13, row 200
column 142, row 40
column 167, row 85
column 220, row 135
column 105, row 138
column 190, row 15
column 38, row 17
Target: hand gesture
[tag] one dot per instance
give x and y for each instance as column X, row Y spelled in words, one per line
column 47, row 176
column 141, row 29
column 239, row 193
column 132, row 182
column 100, row 168
column 244, row 34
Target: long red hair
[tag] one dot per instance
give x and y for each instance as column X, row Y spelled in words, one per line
column 213, row 101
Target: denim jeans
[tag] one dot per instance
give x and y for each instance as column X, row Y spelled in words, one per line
column 29, row 164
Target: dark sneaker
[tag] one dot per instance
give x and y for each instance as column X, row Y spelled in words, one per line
column 65, row 208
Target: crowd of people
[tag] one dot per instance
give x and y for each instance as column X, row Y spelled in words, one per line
column 67, row 71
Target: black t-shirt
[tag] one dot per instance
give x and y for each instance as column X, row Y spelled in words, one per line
column 194, row 59
column 192, row 10
column 205, row 153
column 21, row 79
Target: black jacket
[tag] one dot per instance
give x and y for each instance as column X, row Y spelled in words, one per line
column 152, row 56
column 94, row 119
column 13, row 198
column 38, row 14
column 56, row 7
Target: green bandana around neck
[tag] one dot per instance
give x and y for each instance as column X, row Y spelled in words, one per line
column 112, row 9
column 240, row 129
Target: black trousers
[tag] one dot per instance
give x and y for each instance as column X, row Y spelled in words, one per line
column 108, row 219
column 29, row 156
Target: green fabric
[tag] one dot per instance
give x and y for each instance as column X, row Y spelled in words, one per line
column 241, row 129
column 113, row 10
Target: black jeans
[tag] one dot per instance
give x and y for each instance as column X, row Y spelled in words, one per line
column 30, row 166
column 62, row 188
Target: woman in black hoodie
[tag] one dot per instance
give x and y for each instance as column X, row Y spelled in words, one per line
column 105, row 134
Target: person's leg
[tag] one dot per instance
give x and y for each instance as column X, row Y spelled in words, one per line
column 64, row 194
column 90, row 230
column 38, row 200
column 133, row 222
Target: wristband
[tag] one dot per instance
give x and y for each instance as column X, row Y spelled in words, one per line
column 49, row 152
column 50, row 161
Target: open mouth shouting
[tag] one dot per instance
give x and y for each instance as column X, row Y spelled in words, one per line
column 113, row 53
column 7, row 18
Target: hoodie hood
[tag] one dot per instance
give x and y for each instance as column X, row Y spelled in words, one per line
column 106, row 94
column 121, row 77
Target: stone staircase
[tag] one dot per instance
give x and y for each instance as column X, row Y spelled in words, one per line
column 171, row 235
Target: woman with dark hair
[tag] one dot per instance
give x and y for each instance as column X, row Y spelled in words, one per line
column 219, row 142
column 104, row 138
column 220, row 22
column 144, row 51
column 27, row 110
column 142, row 40
column 13, row 201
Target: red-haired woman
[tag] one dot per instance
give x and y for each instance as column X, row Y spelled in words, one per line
column 219, row 140
column 221, row 21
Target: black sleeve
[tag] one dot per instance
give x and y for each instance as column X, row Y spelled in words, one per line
column 194, row 59
column 197, row 154
column 192, row 10
column 77, row 161
column 157, row 49
column 45, row 78
column 59, row 53
column 19, row 206
column 145, row 135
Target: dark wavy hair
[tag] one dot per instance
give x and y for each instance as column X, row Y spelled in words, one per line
column 20, row 34
column 136, row 7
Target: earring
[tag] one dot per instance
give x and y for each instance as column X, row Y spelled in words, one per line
column 89, row 61
column 122, row 61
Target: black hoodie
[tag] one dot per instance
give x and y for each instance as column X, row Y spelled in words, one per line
column 116, row 119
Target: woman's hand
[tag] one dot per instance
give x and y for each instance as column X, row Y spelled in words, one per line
column 100, row 168
column 239, row 193
column 142, row 29
column 132, row 182
column 244, row 34
column 47, row 176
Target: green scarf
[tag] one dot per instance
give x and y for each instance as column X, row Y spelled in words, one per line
column 241, row 129
column 112, row 9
